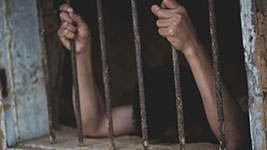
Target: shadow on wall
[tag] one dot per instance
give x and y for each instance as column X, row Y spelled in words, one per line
column 155, row 50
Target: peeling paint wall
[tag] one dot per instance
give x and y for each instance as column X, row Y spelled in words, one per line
column 254, row 26
column 21, row 52
column 3, row 144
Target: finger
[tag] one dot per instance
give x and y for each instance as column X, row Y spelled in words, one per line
column 65, row 17
column 163, row 32
column 163, row 23
column 65, row 33
column 163, row 13
column 171, row 4
column 66, row 8
column 79, row 21
column 69, row 26
column 63, row 39
column 155, row 9
column 66, row 43
column 68, row 34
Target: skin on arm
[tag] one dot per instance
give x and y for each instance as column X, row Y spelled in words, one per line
column 175, row 25
column 92, row 104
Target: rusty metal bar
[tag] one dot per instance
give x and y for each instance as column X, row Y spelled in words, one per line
column 140, row 74
column 76, row 90
column 219, row 99
column 179, row 102
column 105, row 72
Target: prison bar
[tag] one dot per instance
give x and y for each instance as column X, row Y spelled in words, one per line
column 140, row 74
column 76, row 90
column 219, row 100
column 105, row 71
column 179, row 102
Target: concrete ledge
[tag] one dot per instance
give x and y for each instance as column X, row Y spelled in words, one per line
column 66, row 139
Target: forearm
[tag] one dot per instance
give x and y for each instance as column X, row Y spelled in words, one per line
column 91, row 102
column 236, row 126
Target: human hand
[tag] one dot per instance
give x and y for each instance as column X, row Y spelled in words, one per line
column 175, row 25
column 73, row 27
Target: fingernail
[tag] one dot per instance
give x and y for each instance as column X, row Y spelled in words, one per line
column 70, row 10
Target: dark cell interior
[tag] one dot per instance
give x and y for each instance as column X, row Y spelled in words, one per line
column 156, row 51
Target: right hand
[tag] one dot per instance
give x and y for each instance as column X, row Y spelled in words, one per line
column 73, row 27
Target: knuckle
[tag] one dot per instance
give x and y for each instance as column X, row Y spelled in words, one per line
column 158, row 23
column 160, row 32
column 64, row 24
column 171, row 32
column 175, row 23
column 178, row 17
column 61, row 15
column 66, row 32
column 71, row 35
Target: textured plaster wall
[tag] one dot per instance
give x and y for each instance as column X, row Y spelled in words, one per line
column 254, row 25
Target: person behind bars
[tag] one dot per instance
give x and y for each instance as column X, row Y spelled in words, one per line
column 200, row 110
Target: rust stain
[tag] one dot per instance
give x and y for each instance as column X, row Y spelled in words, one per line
column 5, row 107
column 36, row 81
column 260, row 60
column 251, row 101
column 261, row 51
column 2, row 137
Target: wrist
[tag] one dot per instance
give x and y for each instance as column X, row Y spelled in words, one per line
column 83, row 58
column 85, row 53
column 84, row 64
column 193, row 50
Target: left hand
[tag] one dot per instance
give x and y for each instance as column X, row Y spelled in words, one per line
column 174, row 24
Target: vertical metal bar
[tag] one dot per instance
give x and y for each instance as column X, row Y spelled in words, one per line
column 219, row 100
column 140, row 73
column 105, row 71
column 76, row 91
column 179, row 102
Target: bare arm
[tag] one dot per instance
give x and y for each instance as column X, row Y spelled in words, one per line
column 175, row 25
column 92, row 104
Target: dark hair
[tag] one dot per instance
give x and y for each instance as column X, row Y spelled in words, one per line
column 160, row 101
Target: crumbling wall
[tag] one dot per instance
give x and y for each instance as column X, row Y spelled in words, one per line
column 261, row 58
column 254, row 24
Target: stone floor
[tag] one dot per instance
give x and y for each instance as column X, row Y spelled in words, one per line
column 66, row 139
